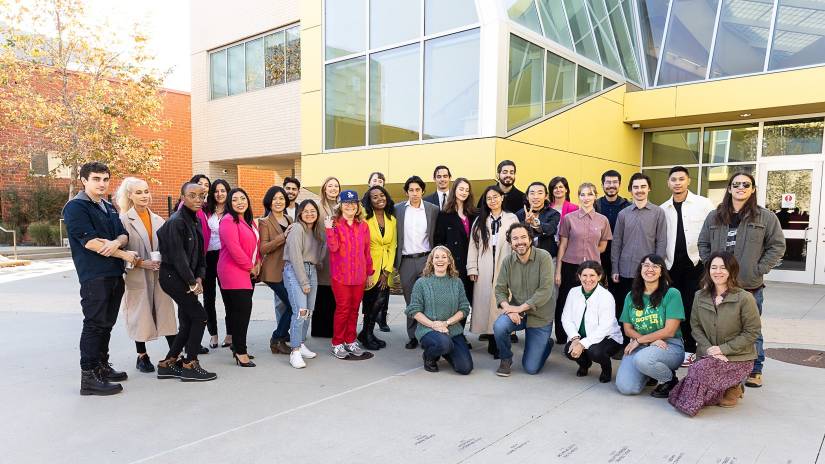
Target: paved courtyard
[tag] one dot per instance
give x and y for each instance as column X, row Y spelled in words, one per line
column 385, row 410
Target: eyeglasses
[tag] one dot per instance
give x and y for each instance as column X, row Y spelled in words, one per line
column 195, row 196
column 737, row 185
column 651, row 266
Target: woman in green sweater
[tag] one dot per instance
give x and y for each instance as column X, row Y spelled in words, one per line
column 439, row 303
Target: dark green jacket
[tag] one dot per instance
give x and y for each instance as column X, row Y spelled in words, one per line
column 732, row 326
column 530, row 283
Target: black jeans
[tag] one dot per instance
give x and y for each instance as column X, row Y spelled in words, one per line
column 100, row 301
column 569, row 280
column 238, row 303
column 324, row 312
column 686, row 278
column 622, row 288
column 210, row 285
column 598, row 353
column 375, row 300
column 191, row 316
column 140, row 347
column 281, row 331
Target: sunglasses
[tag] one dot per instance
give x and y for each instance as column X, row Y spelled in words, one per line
column 741, row 184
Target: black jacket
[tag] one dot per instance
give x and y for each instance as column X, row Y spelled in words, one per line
column 180, row 242
column 433, row 198
column 449, row 231
column 549, row 220
column 85, row 220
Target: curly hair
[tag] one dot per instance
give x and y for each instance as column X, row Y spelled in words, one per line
column 429, row 269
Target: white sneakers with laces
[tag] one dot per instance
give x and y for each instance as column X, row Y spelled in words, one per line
column 296, row 360
column 306, row 352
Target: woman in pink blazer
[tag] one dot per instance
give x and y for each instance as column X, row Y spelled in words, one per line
column 236, row 263
column 560, row 190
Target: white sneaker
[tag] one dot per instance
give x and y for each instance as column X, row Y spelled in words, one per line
column 306, row 352
column 354, row 348
column 339, row 351
column 690, row 358
column 296, row 360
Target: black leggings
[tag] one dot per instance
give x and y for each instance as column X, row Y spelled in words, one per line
column 238, row 305
column 141, row 346
column 210, row 285
column 598, row 353
column 191, row 316
column 569, row 279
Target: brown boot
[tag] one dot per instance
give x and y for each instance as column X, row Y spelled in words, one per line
column 732, row 396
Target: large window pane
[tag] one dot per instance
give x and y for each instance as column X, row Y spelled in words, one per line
column 802, row 137
column 293, row 54
column 688, row 41
column 394, row 79
column 555, row 22
column 345, row 101
column 451, row 72
column 601, row 32
column 730, row 144
column 561, row 83
column 526, row 80
column 275, row 63
column 255, row 64
column 237, row 71
column 715, row 180
column 524, row 12
column 441, row 16
column 217, row 73
column 652, row 18
column 587, row 83
column 799, row 36
column 346, row 28
column 624, row 42
column 671, row 147
column 394, row 21
column 660, row 192
column 580, row 27
column 742, row 37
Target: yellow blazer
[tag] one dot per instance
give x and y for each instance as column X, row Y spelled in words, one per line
column 382, row 249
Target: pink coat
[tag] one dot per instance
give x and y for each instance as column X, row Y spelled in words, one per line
column 566, row 208
column 239, row 243
column 350, row 261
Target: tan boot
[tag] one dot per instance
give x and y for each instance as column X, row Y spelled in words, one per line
column 732, row 396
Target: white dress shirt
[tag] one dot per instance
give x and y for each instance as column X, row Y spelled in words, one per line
column 416, row 239
column 214, row 222
column 694, row 211
column 442, row 198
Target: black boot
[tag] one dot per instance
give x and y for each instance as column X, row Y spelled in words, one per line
column 92, row 382
column 109, row 372
column 371, row 331
column 366, row 337
column 382, row 320
column 492, row 348
column 663, row 389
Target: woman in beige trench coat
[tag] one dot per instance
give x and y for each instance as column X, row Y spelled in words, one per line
column 488, row 247
column 148, row 310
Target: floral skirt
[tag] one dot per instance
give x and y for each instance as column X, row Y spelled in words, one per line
column 706, row 382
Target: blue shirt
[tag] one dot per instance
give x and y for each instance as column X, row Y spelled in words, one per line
column 87, row 220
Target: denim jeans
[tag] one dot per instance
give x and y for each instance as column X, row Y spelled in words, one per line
column 649, row 362
column 453, row 349
column 537, row 343
column 760, row 342
column 283, row 311
column 299, row 300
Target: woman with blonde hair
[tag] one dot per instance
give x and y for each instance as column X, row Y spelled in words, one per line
column 149, row 311
column 325, row 300
column 439, row 304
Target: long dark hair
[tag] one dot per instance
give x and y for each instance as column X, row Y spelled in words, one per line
column 469, row 205
column 209, row 207
column 638, row 289
column 247, row 215
column 732, row 266
column 480, row 232
column 270, row 195
column 724, row 212
column 389, row 209
column 317, row 228
column 552, row 184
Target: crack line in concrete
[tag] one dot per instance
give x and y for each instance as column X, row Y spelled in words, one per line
column 816, row 461
column 813, row 307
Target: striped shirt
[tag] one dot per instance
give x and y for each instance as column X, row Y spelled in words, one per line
column 350, row 261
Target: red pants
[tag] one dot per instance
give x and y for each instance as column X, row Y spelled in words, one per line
column 347, row 301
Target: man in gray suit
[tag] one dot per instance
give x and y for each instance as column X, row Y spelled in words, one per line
column 416, row 228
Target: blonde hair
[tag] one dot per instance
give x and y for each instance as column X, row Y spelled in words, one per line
column 588, row 185
column 429, row 269
column 339, row 211
column 327, row 207
column 124, row 203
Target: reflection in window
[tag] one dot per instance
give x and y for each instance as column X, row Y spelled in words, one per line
column 275, row 59
column 237, row 71
column 652, row 18
column 217, row 73
column 345, row 102
column 525, row 84
column 659, row 192
column 524, row 12
column 797, row 182
column 441, row 16
column 715, row 180
column 293, row 54
column 580, row 27
column 625, row 44
column 742, row 37
column 393, row 21
column 345, row 27
column 555, row 22
column 561, row 83
column 587, row 83
column 802, row 137
column 799, row 36
column 393, row 106
column 451, row 73
column 607, row 83
column 671, row 147
column 687, row 45
column 255, row 64
column 730, row 144
column 604, row 39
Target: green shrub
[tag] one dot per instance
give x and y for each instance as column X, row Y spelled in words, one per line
column 42, row 233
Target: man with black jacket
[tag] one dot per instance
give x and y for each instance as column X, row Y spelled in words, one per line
column 182, row 269
column 506, row 177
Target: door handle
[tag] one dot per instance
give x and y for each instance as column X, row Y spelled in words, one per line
column 805, row 236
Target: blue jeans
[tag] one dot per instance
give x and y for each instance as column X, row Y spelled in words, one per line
column 760, row 348
column 649, row 362
column 283, row 311
column 454, row 350
column 298, row 300
column 537, row 343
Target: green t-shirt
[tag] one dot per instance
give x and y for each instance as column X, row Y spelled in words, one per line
column 649, row 319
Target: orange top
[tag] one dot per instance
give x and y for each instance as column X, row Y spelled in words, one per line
column 147, row 223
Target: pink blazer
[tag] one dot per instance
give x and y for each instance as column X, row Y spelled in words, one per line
column 566, row 208
column 239, row 243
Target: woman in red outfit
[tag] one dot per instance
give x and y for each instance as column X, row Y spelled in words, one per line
column 348, row 242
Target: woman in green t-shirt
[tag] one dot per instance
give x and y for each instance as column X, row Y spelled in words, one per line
column 651, row 317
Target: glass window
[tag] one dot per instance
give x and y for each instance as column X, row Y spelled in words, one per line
column 394, row 104
column 217, row 73
column 393, row 21
column 587, row 83
column 741, row 37
column 715, row 180
column 526, row 81
column 293, row 54
column 671, row 147
column 624, row 42
column 441, row 16
column 275, row 59
column 255, row 64
column 555, row 22
column 730, row 144
column 601, row 32
column 580, row 27
column 524, row 12
column 687, row 45
column 659, row 192
column 802, row 137
column 561, row 83
column 345, row 103
column 652, row 18
column 451, row 73
column 237, row 71
column 799, row 35
column 346, row 28
column 607, row 83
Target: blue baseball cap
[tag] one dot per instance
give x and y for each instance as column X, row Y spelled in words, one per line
column 350, row 196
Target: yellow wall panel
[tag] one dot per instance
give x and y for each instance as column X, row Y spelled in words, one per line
column 554, row 132
column 311, row 123
column 311, row 13
column 351, row 168
column 650, row 104
column 474, row 159
column 311, row 60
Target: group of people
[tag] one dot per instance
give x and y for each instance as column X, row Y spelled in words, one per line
column 659, row 287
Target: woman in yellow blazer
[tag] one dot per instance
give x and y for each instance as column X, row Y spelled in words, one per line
column 380, row 218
